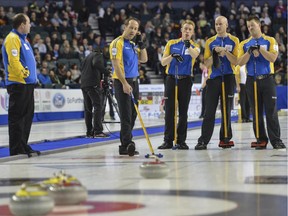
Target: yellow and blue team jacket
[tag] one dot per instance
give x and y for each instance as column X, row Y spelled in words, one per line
column 263, row 66
column 126, row 52
column 18, row 54
column 231, row 43
column 178, row 46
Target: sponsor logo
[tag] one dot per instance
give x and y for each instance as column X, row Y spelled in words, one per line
column 14, row 52
column 36, row 95
column 229, row 47
column 47, row 95
column 264, row 47
column 26, row 46
column 114, row 51
column 58, row 100
column 74, row 100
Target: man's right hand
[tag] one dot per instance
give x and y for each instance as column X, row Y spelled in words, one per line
column 216, row 59
column 139, row 41
column 253, row 48
column 25, row 72
column 178, row 57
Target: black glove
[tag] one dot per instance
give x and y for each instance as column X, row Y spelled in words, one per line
column 139, row 42
column 25, row 72
column 216, row 59
column 141, row 45
column 252, row 48
column 178, row 57
column 187, row 43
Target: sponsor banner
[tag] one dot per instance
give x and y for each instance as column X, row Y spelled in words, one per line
column 50, row 100
column 151, row 98
column 4, row 98
column 151, row 101
column 66, row 100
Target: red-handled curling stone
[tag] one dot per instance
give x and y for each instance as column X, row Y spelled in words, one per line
column 65, row 189
column 31, row 199
column 153, row 170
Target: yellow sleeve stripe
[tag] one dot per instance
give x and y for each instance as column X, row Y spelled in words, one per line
column 241, row 45
column 207, row 52
column 113, row 47
column 273, row 48
column 236, row 48
column 12, row 46
column 170, row 42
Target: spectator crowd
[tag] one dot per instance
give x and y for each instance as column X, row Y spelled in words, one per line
column 62, row 36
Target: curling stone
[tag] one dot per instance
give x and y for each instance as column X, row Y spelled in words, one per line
column 154, row 170
column 65, row 189
column 68, row 193
column 31, row 199
column 57, row 179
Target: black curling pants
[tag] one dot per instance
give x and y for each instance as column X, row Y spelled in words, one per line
column 213, row 94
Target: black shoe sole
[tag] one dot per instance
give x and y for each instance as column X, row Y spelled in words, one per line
column 131, row 149
column 201, row 148
column 183, row 148
column 165, row 147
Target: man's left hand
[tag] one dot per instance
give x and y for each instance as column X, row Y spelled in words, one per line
column 127, row 89
column 25, row 72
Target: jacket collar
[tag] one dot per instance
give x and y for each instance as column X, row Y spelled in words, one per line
column 23, row 36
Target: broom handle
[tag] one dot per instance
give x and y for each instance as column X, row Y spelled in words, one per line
column 175, row 104
column 224, row 108
column 256, row 103
column 142, row 124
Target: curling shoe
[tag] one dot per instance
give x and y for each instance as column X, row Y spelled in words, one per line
column 201, row 146
column 223, row 144
column 89, row 134
column 166, row 145
column 183, row 146
column 18, row 152
column 30, row 151
column 279, row 145
column 101, row 135
column 259, row 145
column 128, row 150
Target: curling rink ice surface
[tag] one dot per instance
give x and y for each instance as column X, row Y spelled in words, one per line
column 213, row 182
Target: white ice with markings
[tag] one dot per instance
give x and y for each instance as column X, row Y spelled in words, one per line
column 207, row 182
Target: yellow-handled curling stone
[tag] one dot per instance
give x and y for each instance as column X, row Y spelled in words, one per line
column 65, row 189
column 30, row 200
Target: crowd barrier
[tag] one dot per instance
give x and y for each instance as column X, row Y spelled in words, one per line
column 67, row 104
